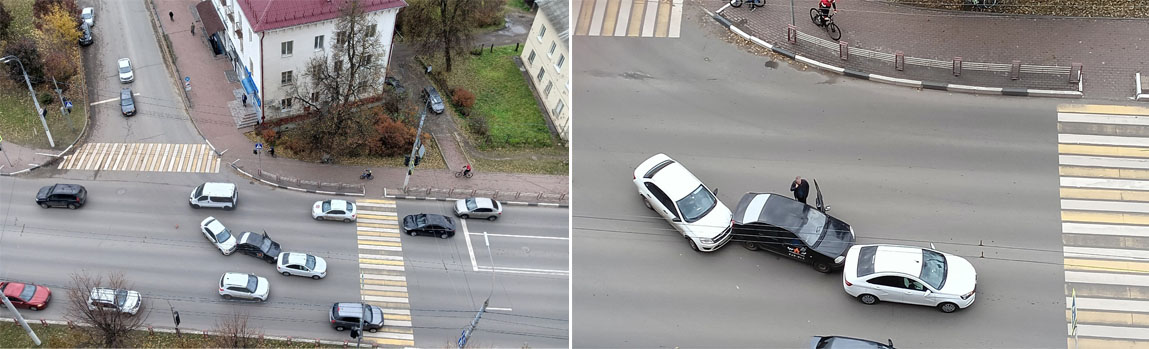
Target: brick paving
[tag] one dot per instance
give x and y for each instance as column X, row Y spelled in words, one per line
column 1111, row 50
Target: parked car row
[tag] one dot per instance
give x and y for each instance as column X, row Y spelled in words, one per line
column 796, row 230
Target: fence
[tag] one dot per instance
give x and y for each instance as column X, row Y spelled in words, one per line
column 494, row 194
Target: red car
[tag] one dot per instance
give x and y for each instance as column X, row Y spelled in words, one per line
column 26, row 295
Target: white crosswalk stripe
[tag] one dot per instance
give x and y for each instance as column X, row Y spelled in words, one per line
column 1105, row 221
column 381, row 264
column 146, row 157
column 628, row 18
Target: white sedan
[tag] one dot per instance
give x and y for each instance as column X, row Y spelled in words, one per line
column 89, row 16
column 335, row 210
column 694, row 210
column 911, row 275
column 124, row 66
column 301, row 264
column 218, row 234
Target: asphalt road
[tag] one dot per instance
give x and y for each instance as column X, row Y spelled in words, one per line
column 123, row 29
column 975, row 175
column 450, row 279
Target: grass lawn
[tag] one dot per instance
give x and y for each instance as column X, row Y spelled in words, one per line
column 59, row 336
column 502, row 94
column 432, row 159
column 19, row 123
column 519, row 4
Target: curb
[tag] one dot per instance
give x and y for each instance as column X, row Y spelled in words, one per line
column 1004, row 91
column 192, row 332
column 277, row 185
column 1138, row 96
column 427, row 198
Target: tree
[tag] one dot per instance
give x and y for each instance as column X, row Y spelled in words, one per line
column 110, row 327
column 445, row 25
column 26, row 50
column 5, row 22
column 59, row 28
column 41, row 8
column 333, row 86
column 234, row 331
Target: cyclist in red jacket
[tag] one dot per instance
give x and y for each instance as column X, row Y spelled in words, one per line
column 825, row 6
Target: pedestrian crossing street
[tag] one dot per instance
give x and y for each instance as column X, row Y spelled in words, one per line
column 146, row 157
column 384, row 278
column 633, row 18
column 1103, row 155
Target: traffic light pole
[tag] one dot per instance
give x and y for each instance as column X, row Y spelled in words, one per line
column 20, row 319
column 65, row 104
column 414, row 148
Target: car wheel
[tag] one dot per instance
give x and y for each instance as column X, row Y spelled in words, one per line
column 318, row 218
column 868, row 299
column 647, row 203
column 229, row 208
column 693, row 245
column 347, row 220
column 286, row 274
column 316, row 277
column 464, row 216
column 339, row 328
column 34, row 308
column 45, row 205
column 821, row 267
column 444, row 236
column 195, row 205
column 492, row 218
column 412, row 233
column 947, row 307
column 73, row 206
column 750, row 245
column 227, row 296
column 373, row 330
column 262, row 299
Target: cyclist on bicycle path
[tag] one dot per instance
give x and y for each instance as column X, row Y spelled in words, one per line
column 467, row 169
column 825, row 6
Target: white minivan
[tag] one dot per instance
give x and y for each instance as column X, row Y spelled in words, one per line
column 210, row 194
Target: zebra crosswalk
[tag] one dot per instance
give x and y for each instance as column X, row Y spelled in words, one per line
column 634, row 18
column 146, row 157
column 384, row 277
column 1103, row 155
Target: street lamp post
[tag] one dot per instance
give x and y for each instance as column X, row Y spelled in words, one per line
column 39, row 111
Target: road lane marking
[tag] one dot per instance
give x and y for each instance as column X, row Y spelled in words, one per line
column 1104, row 217
column 470, row 249
column 1102, row 109
column 1102, row 140
column 596, row 21
column 1104, row 183
column 1106, row 253
column 525, row 271
column 1103, row 119
column 1105, row 229
column 1106, row 278
column 1099, row 205
column 524, row 236
column 1098, row 161
column 1120, row 173
column 1106, row 266
column 651, row 16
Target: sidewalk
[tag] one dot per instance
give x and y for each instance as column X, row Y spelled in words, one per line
column 213, row 100
column 1111, row 50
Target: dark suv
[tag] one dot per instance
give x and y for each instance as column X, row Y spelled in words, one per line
column 433, row 99
column 62, row 195
column 346, row 315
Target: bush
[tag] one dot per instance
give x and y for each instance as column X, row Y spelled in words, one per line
column 394, row 137
column 478, row 125
column 45, row 98
column 489, row 13
column 41, row 8
column 5, row 21
column 29, row 55
column 268, row 135
column 463, row 98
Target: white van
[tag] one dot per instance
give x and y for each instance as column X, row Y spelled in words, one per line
column 222, row 195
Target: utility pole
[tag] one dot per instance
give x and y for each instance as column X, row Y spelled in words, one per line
column 39, row 111
column 65, row 104
column 362, row 313
column 414, row 148
column 20, row 319
column 467, row 332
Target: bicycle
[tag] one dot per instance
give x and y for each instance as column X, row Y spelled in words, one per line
column 464, row 173
column 826, row 22
column 753, row 3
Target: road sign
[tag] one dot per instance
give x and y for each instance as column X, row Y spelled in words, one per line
column 422, row 150
column 1073, row 308
column 187, row 79
column 68, row 104
column 259, row 146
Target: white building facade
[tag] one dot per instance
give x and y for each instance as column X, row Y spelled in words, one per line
column 270, row 42
column 546, row 56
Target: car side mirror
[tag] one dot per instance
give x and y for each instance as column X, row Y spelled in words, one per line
column 928, row 292
column 716, row 191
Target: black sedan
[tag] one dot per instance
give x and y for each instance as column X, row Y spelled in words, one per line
column 127, row 102
column 258, row 246
column 782, row 225
column 429, row 224
column 839, row 342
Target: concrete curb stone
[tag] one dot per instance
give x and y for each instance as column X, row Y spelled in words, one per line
column 427, row 198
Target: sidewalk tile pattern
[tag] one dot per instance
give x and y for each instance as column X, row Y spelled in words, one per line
column 633, row 18
column 384, row 277
column 1103, row 154
column 145, row 157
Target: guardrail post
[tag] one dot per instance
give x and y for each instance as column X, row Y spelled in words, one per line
column 844, row 50
column 791, row 34
column 1075, row 73
column 44, row 322
column 899, row 60
column 1015, row 70
column 957, row 66
column 151, row 331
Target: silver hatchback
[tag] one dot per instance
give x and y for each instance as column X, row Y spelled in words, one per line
column 478, row 208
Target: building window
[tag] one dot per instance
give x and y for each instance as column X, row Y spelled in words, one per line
column 340, row 37
column 319, row 43
column 559, row 65
column 367, row 59
column 285, row 77
column 338, row 65
column 286, row 103
column 558, row 108
column 371, row 31
column 542, row 71
column 542, row 30
column 547, row 91
column 286, row 48
column 315, row 97
column 531, row 58
column 554, row 45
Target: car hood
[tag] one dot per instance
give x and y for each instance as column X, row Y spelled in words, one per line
column 837, row 240
column 273, row 250
column 409, row 222
column 376, row 315
column 713, row 224
column 320, row 266
column 961, row 278
column 42, row 295
column 132, row 303
column 228, row 244
column 43, row 194
column 317, row 209
column 262, row 287
column 461, row 206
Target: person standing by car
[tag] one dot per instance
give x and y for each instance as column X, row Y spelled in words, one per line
column 801, row 189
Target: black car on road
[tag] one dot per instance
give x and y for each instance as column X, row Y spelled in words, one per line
column 127, row 102
column 62, row 195
column 839, row 342
column 429, row 224
column 782, row 225
column 347, row 315
column 258, row 246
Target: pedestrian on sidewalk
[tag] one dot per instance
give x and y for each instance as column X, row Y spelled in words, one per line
column 271, row 150
column 245, row 100
column 193, row 29
column 172, row 15
column 801, row 188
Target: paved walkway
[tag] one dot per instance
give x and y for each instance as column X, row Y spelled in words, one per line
column 212, row 101
column 1111, row 50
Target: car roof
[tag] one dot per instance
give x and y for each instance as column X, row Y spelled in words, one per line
column 124, row 61
column 66, row 188
column 294, row 258
column 350, row 309
column 125, row 92
column 235, row 279
column 340, row 204
column 673, row 178
column 215, row 225
column 218, row 189
column 898, row 259
column 484, row 202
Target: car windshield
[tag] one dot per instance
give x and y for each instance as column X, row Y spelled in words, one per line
column 326, row 206
column 126, row 100
column 420, row 220
column 124, row 68
column 813, row 226
column 310, row 262
column 350, row 207
column 367, row 314
column 121, row 297
column 223, row 235
column 29, row 291
column 252, row 281
column 472, row 205
column 933, row 268
column 266, row 245
column 87, row 15
column 697, row 204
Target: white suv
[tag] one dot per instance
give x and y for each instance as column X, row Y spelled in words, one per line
column 240, row 285
column 679, row 197
column 119, row 300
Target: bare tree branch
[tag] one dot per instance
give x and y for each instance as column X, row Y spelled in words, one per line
column 109, row 327
column 234, row 331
